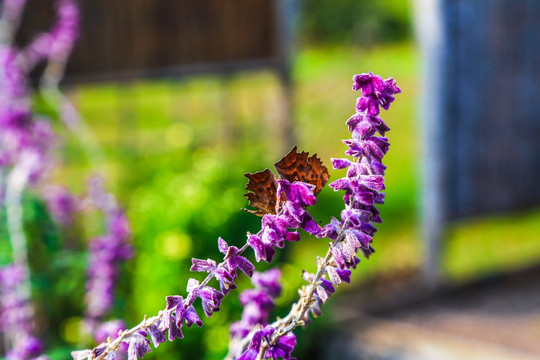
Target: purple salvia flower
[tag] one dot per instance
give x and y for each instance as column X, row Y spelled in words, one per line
column 190, row 316
column 175, row 331
column 345, row 275
column 258, row 303
column 331, row 230
column 253, row 348
column 210, row 297
column 333, row 275
column 233, row 260
column 108, row 329
column 323, row 287
column 118, row 225
column 106, row 252
column 344, row 256
column 340, row 163
column 156, row 335
column 98, row 350
column 283, row 348
column 364, row 179
column 211, row 300
column 208, row 265
column 269, row 282
column 226, row 280
column 298, row 192
column 56, row 45
column 138, row 346
column 263, row 250
column 355, row 217
column 257, row 307
column 375, row 92
column 173, row 302
column 65, row 32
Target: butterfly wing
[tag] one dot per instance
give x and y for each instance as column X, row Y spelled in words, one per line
column 262, row 192
column 297, row 166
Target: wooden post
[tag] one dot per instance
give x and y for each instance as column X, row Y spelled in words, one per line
column 480, row 112
column 431, row 38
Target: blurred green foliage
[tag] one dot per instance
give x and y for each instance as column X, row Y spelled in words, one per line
column 358, row 22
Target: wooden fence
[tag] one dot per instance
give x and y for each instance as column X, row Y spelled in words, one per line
column 140, row 38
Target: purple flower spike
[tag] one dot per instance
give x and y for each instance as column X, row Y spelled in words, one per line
column 375, row 92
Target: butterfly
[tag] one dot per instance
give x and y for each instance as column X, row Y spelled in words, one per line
column 295, row 166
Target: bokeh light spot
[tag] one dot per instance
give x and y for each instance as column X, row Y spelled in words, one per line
column 178, row 135
column 71, row 330
column 173, row 245
column 217, row 338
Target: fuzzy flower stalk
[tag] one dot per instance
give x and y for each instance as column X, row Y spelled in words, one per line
column 106, row 253
column 180, row 311
column 282, row 203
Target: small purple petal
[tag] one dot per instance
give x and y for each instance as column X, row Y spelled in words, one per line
column 222, row 246
column 245, row 265
column 156, row 335
column 208, row 265
column 292, row 236
column 345, row 275
column 340, row 184
column 340, row 163
column 174, row 330
column 191, row 317
column 173, row 301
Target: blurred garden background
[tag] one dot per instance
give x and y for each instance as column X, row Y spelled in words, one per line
column 174, row 151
